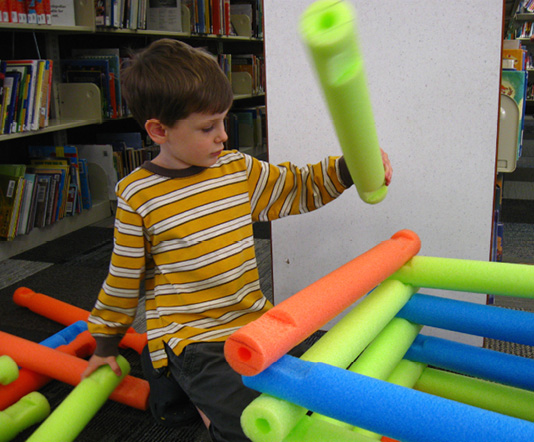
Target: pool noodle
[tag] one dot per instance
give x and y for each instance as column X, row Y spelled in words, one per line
column 255, row 346
column 79, row 407
column 65, row 335
column 491, row 365
column 82, row 345
column 383, row 355
column 474, row 319
column 328, row 28
column 9, row 371
column 478, row 392
column 67, row 368
column 496, row 278
column 372, row 404
column 28, row 411
column 66, row 314
column 340, row 346
column 309, row 429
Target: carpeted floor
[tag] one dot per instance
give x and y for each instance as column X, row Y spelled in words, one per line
column 72, row 269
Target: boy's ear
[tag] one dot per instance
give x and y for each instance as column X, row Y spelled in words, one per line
column 156, row 131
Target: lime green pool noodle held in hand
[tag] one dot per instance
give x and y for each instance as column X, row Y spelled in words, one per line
column 328, row 29
column 79, row 407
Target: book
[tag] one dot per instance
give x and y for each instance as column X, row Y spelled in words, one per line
column 60, row 168
column 4, row 11
column 62, row 13
column 32, row 69
column 21, row 100
column 37, row 99
column 11, row 189
column 26, row 203
column 42, row 189
column 40, row 12
column 164, row 15
column 11, row 92
column 31, row 12
column 87, row 202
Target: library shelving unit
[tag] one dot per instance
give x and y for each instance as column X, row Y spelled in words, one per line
column 75, row 109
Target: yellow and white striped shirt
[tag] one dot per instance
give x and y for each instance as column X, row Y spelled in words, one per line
column 188, row 234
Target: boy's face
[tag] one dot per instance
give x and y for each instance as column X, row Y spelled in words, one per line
column 194, row 141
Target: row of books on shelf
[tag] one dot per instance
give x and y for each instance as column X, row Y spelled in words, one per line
column 38, row 12
column 217, row 17
column 52, row 186
column 525, row 6
column 25, row 92
column 101, row 66
column 252, row 64
column 56, row 182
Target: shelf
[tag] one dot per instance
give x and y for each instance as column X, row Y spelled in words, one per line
column 37, row 237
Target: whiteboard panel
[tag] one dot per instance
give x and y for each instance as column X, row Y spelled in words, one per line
column 433, row 70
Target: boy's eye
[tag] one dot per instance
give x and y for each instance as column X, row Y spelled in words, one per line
column 207, row 129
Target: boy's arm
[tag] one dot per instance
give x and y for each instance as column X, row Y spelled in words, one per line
column 117, row 301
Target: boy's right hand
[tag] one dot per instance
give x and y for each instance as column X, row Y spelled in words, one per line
column 97, row 361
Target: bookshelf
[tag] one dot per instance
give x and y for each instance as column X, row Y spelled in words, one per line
column 76, row 108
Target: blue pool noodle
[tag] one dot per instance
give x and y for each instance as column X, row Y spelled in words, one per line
column 491, row 365
column 474, row 319
column 66, row 335
column 382, row 407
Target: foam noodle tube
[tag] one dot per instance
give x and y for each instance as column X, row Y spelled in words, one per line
column 497, row 278
column 388, row 409
column 9, row 371
column 79, row 407
column 479, row 393
column 255, row 346
column 340, row 346
column 66, row 368
column 328, row 28
column 66, row 314
column 66, row 335
column 474, row 319
column 383, row 355
column 28, row 411
column 309, row 429
column 82, row 346
column 483, row 363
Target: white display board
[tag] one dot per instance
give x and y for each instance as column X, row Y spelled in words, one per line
column 433, row 70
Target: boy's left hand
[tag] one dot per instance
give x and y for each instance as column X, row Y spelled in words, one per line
column 388, row 170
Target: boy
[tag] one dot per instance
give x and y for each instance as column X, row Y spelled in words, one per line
column 184, row 225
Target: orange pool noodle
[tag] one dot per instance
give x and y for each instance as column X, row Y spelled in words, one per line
column 67, row 314
column 81, row 346
column 254, row 347
column 67, row 368
column 388, row 439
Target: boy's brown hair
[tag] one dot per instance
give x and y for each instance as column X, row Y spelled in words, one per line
column 169, row 80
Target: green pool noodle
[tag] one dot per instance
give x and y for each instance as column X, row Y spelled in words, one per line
column 9, row 371
column 328, row 28
column 27, row 411
column 383, row 355
column 495, row 278
column 406, row 373
column 79, row 407
column 309, row 429
column 269, row 419
column 491, row 396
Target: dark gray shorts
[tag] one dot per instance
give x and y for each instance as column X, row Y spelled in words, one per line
column 201, row 376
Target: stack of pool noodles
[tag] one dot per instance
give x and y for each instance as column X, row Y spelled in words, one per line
column 369, row 375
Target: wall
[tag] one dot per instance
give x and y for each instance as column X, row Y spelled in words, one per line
column 433, row 71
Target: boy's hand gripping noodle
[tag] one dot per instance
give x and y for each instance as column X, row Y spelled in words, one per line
column 328, row 29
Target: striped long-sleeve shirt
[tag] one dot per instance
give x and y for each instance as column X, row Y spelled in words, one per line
column 188, row 234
